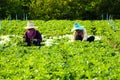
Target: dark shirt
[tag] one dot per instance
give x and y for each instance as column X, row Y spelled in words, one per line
column 78, row 37
column 36, row 36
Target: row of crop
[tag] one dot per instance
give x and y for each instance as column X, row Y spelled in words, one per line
column 61, row 27
column 97, row 60
column 55, row 27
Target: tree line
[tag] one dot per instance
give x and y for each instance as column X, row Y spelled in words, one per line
column 59, row 9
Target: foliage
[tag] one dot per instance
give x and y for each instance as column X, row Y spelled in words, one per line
column 59, row 9
column 65, row 61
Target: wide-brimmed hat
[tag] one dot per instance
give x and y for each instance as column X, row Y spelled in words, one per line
column 76, row 26
column 30, row 25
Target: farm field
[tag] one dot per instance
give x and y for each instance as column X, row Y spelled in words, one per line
column 61, row 59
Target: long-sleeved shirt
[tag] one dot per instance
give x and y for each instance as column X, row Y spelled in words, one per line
column 85, row 34
column 33, row 34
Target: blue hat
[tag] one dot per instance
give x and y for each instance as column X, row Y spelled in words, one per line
column 77, row 27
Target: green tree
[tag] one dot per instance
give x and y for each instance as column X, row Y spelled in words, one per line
column 59, row 9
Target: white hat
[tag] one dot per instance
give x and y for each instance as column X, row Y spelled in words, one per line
column 30, row 25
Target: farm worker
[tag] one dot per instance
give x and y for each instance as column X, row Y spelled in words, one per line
column 31, row 35
column 80, row 33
